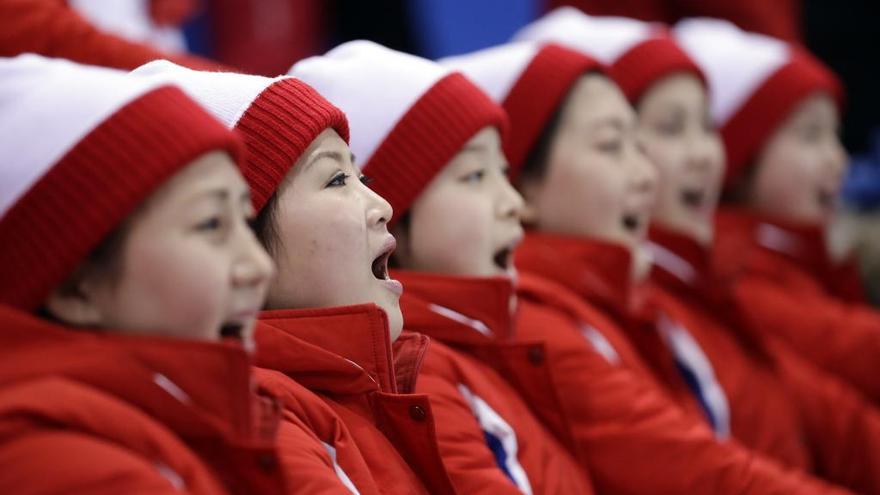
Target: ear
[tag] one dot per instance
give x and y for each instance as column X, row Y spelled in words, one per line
column 74, row 304
column 530, row 190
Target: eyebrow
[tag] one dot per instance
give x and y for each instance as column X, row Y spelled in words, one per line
column 220, row 195
column 335, row 155
column 608, row 121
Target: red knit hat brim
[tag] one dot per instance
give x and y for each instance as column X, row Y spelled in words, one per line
column 649, row 61
column 537, row 94
column 427, row 137
column 96, row 185
column 746, row 132
column 278, row 127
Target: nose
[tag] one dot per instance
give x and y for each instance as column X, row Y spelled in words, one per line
column 644, row 174
column 837, row 157
column 706, row 152
column 510, row 202
column 252, row 266
column 379, row 211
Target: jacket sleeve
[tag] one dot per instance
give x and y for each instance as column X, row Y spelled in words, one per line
column 51, row 28
column 468, row 460
column 635, row 440
column 843, row 339
column 842, row 429
column 58, row 461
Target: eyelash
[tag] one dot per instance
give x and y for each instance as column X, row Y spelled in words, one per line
column 611, row 146
column 476, row 176
column 339, row 179
column 209, row 225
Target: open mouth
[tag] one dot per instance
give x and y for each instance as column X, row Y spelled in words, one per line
column 380, row 265
column 232, row 330
column 503, row 258
column 631, row 222
column 826, row 199
column 693, row 198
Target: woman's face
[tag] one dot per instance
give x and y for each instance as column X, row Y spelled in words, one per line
column 596, row 183
column 189, row 265
column 799, row 171
column 333, row 243
column 466, row 222
column 678, row 137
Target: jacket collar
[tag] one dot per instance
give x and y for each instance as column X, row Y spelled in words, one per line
column 803, row 246
column 680, row 263
column 462, row 310
column 195, row 388
column 597, row 271
column 343, row 349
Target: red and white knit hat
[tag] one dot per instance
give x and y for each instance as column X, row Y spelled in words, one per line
column 83, row 147
column 638, row 53
column 278, row 117
column 531, row 81
column 755, row 81
column 409, row 116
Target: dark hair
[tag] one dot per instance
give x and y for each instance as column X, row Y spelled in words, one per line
column 103, row 261
column 265, row 225
column 535, row 164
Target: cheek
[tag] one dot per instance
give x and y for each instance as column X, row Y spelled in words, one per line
column 584, row 194
column 178, row 285
column 451, row 233
column 669, row 160
column 324, row 256
column 785, row 176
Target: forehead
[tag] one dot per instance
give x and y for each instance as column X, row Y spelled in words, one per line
column 818, row 106
column 595, row 100
column 207, row 173
column 681, row 88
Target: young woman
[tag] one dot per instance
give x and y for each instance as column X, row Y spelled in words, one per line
column 430, row 140
column 127, row 259
column 328, row 340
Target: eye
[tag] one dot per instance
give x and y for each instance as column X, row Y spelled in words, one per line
column 209, row 225
column 474, row 177
column 338, row 180
column 365, row 180
column 670, row 128
column 611, row 147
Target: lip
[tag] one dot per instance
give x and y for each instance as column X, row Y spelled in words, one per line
column 389, row 245
column 393, row 285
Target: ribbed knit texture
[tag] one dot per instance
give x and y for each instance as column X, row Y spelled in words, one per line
column 649, row 61
column 746, row 131
column 278, row 127
column 424, row 140
column 96, row 185
column 535, row 96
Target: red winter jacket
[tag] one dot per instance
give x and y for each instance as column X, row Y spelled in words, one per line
column 489, row 439
column 627, row 412
column 335, row 372
column 89, row 413
column 786, row 286
column 779, row 404
column 53, row 29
